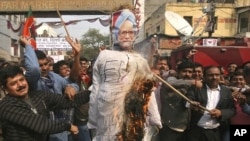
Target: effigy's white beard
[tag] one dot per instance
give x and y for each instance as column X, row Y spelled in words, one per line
column 126, row 45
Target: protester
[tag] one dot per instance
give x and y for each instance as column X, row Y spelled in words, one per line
column 163, row 65
column 24, row 113
column 163, row 69
column 210, row 125
column 62, row 68
column 198, row 71
column 174, row 114
column 238, row 86
column 79, row 71
column 40, row 77
column 231, row 67
column 121, row 99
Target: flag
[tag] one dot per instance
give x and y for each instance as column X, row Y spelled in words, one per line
column 29, row 30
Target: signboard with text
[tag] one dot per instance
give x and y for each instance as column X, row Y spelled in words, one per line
column 62, row 5
column 53, row 44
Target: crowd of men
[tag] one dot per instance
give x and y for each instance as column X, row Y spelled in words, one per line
column 218, row 99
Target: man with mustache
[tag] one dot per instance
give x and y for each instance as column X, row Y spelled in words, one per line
column 163, row 65
column 24, row 113
column 210, row 125
column 40, row 77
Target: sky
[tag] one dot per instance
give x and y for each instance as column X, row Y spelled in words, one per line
column 77, row 30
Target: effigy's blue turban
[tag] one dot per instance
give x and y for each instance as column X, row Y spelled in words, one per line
column 118, row 18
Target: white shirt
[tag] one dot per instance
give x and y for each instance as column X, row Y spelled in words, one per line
column 206, row 121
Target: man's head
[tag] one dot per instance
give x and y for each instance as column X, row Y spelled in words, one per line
column 185, row 70
column 212, row 76
column 13, row 81
column 124, row 29
column 84, row 63
column 198, row 71
column 162, row 63
column 43, row 62
column 62, row 68
column 231, row 68
column 237, row 80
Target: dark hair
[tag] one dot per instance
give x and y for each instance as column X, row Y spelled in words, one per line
column 239, row 69
column 40, row 54
column 7, row 72
column 245, row 63
column 160, row 58
column 83, row 59
column 185, row 64
column 57, row 65
column 236, row 73
column 196, row 65
column 210, row 67
column 246, row 71
column 231, row 64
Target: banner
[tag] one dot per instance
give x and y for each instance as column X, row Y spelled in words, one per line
column 53, row 44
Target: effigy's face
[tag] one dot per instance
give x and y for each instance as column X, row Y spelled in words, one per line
column 126, row 35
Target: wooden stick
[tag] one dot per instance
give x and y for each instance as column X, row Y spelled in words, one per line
column 62, row 22
column 178, row 92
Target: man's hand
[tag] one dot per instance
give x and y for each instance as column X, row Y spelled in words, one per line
column 74, row 129
column 241, row 99
column 76, row 46
column 195, row 105
column 70, row 92
column 215, row 113
column 24, row 41
column 197, row 83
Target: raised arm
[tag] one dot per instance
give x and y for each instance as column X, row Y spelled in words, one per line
column 76, row 47
column 31, row 63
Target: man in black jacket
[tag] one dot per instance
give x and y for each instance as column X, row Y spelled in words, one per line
column 24, row 113
column 210, row 125
column 174, row 114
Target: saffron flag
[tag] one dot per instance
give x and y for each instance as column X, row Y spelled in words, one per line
column 29, row 30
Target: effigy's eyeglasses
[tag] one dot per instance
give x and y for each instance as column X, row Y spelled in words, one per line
column 126, row 32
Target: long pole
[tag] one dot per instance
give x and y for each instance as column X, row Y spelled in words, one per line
column 62, row 22
column 179, row 93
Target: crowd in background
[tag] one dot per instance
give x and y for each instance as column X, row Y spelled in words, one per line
column 228, row 105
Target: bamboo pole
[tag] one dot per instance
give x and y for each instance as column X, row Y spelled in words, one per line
column 179, row 93
column 62, row 22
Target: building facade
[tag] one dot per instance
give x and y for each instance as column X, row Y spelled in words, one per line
column 231, row 19
column 225, row 19
column 243, row 14
column 10, row 26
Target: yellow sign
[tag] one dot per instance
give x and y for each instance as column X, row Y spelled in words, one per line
column 62, row 5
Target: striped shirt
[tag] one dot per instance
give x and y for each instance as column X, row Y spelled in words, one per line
column 22, row 121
